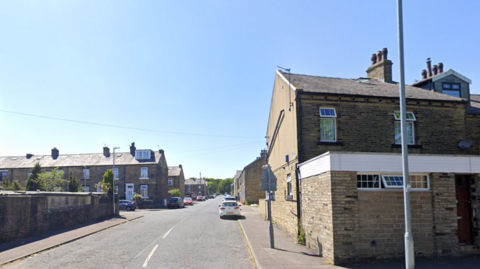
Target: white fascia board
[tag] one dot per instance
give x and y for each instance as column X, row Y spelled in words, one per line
column 286, row 80
column 388, row 163
column 451, row 72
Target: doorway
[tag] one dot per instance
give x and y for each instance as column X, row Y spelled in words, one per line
column 464, row 208
column 129, row 191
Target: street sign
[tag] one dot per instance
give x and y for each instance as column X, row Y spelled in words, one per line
column 268, row 174
column 272, row 195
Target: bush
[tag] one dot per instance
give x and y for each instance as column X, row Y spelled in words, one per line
column 137, row 197
column 175, row 193
column 73, row 184
column 33, row 182
column 301, row 235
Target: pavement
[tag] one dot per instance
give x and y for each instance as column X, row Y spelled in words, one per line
column 285, row 254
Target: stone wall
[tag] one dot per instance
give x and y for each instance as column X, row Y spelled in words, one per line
column 31, row 213
column 253, row 174
column 476, row 210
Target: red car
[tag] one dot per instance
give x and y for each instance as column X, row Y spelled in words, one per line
column 200, row 198
column 187, row 201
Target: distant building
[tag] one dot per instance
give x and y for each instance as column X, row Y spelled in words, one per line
column 176, row 179
column 139, row 171
column 195, row 187
column 249, row 182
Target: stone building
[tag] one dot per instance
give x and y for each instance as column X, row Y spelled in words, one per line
column 195, row 187
column 334, row 145
column 176, row 179
column 138, row 171
column 249, row 181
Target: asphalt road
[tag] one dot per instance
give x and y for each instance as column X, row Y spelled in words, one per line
column 192, row 237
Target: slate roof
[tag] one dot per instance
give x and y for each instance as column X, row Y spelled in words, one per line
column 174, row 171
column 194, row 182
column 64, row 160
column 361, row 87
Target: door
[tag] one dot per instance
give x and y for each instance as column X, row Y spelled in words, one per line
column 464, row 209
column 129, row 191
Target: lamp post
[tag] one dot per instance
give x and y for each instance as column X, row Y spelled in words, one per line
column 84, row 178
column 113, row 180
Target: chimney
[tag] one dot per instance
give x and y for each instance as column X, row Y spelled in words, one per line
column 29, row 155
column 132, row 149
column 435, row 70
column 424, row 74
column 161, row 151
column 440, row 68
column 381, row 68
column 180, row 166
column 106, row 152
column 263, row 153
column 55, row 153
column 429, row 68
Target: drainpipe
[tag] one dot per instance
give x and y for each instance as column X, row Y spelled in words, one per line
column 299, row 157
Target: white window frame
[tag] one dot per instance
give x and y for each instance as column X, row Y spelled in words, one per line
column 144, row 191
column 143, row 172
column 115, row 175
column 143, row 154
column 86, row 173
column 415, row 181
column 410, row 117
column 328, row 115
column 170, row 182
column 364, row 179
column 86, row 188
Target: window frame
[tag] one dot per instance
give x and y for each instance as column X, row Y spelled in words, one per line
column 416, row 179
column 331, row 120
column 366, row 181
column 143, row 154
column 397, row 126
column 170, row 182
column 289, row 187
column 143, row 175
column 86, row 171
column 2, row 176
column 143, row 190
column 113, row 170
column 450, row 88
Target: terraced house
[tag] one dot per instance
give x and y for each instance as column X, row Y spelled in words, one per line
column 334, row 146
column 176, row 179
column 139, row 171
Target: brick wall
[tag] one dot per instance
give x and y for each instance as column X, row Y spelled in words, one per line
column 29, row 214
column 253, row 174
column 367, row 125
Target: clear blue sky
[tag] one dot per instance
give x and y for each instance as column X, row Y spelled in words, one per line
column 198, row 74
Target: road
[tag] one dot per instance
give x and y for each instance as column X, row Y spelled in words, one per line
column 192, row 237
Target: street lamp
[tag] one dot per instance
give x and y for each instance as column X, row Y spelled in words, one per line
column 113, row 180
column 84, row 178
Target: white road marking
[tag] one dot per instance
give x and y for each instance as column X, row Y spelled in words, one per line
column 168, row 232
column 149, row 256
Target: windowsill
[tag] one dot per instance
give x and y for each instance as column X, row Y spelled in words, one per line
column 409, row 146
column 144, row 178
column 330, row 143
column 392, row 190
column 116, row 179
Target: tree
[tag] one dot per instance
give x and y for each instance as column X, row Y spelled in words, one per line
column 52, row 181
column 107, row 181
column 73, row 184
column 33, row 183
column 15, row 186
column 175, row 193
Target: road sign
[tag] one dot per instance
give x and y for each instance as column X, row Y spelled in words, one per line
column 268, row 175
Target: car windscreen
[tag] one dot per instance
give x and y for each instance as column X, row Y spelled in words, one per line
column 172, row 199
column 230, row 204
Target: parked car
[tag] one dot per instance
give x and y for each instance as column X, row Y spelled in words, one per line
column 229, row 209
column 205, row 198
column 187, row 201
column 175, row 202
column 212, row 196
column 127, row 205
column 200, row 198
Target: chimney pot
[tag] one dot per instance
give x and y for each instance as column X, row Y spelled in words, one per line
column 29, row 155
column 132, row 149
column 379, row 56
column 106, row 152
column 435, row 70
column 55, row 153
column 385, row 53
column 180, row 166
column 429, row 68
column 424, row 74
column 161, row 151
column 374, row 59
column 440, row 68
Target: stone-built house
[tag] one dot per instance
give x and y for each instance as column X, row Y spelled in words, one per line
column 249, row 181
column 195, row 187
column 236, row 183
column 176, row 179
column 138, row 171
column 334, row 146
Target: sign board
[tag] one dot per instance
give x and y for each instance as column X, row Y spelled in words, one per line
column 272, row 195
column 268, row 175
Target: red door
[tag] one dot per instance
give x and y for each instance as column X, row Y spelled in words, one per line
column 464, row 210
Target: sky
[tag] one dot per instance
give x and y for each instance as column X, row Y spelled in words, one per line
column 195, row 78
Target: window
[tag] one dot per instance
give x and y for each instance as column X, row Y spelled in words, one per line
column 142, row 154
column 289, row 187
column 99, row 188
column 410, row 117
column 115, row 173
column 3, row 175
column 116, row 189
column 368, row 181
column 28, row 174
column 86, row 173
column 452, row 89
column 170, row 182
column 328, row 124
column 86, row 188
column 144, row 173
column 144, row 191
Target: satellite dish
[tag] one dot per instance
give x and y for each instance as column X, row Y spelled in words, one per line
column 465, row 144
